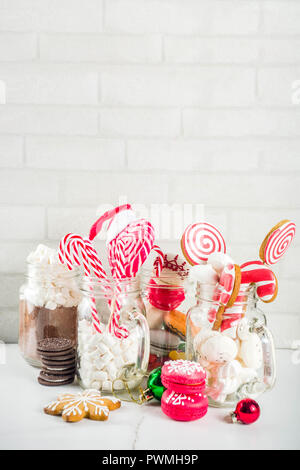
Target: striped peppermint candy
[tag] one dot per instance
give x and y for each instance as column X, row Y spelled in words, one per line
column 73, row 251
column 278, row 242
column 258, row 274
column 200, row 240
column 128, row 249
column 255, row 272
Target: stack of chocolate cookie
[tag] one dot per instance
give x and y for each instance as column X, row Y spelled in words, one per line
column 58, row 359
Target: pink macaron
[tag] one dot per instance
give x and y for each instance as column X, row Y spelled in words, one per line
column 183, row 377
column 183, row 407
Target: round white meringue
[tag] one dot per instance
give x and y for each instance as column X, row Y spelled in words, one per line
column 218, row 261
column 251, row 352
column 219, row 349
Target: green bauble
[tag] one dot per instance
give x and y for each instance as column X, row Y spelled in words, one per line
column 155, row 385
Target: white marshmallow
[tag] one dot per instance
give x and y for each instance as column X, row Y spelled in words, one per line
column 96, row 385
column 107, row 385
column 100, row 375
column 118, row 385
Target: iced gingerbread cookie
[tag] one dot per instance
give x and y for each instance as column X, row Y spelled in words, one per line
column 277, row 242
column 200, row 240
column 88, row 404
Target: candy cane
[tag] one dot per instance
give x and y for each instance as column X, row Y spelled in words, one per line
column 200, row 240
column 127, row 251
column 265, row 282
column 255, row 272
column 229, row 286
column 159, row 261
column 72, row 249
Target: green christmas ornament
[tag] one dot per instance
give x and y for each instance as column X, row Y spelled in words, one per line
column 155, row 387
column 154, row 383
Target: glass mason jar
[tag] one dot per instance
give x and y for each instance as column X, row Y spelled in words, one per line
column 167, row 303
column 105, row 362
column 240, row 358
column 48, row 303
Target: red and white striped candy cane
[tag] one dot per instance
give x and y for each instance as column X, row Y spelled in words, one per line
column 159, row 261
column 72, row 250
column 255, row 272
column 126, row 253
column 265, row 282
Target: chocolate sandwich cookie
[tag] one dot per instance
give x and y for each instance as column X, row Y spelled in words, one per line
column 54, row 345
column 52, row 380
column 59, row 372
column 59, row 357
column 57, row 364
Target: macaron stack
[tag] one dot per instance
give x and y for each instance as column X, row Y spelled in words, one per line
column 58, row 359
column 184, row 398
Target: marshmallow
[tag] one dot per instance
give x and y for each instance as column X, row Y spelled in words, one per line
column 50, row 283
column 102, row 356
column 118, row 385
column 107, row 386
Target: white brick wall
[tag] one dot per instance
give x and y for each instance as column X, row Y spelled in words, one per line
column 162, row 101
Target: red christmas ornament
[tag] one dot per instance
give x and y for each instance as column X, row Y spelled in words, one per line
column 247, row 412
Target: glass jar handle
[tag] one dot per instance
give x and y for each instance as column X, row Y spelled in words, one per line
column 269, row 362
column 258, row 386
column 132, row 374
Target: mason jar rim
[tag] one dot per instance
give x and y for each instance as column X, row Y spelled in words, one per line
column 50, row 270
column 106, row 288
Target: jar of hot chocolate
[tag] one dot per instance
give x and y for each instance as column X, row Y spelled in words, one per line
column 48, row 303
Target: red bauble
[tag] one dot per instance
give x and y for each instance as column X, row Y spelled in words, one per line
column 247, row 411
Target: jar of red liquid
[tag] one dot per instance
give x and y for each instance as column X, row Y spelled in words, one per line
column 48, row 303
column 167, row 301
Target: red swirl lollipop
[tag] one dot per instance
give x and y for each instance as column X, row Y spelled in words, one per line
column 277, row 242
column 200, row 240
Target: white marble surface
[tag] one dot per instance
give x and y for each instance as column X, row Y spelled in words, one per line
column 23, row 425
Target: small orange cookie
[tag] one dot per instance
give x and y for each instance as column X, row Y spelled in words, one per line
column 175, row 322
column 277, row 242
column 88, row 404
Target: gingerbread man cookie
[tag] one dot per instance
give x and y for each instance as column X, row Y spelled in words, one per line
column 88, row 404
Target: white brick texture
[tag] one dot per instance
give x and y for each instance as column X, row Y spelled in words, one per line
column 162, row 103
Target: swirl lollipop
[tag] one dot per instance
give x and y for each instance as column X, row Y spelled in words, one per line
column 277, row 242
column 199, row 241
column 129, row 243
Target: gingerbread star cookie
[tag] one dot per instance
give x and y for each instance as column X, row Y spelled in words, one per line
column 88, row 404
